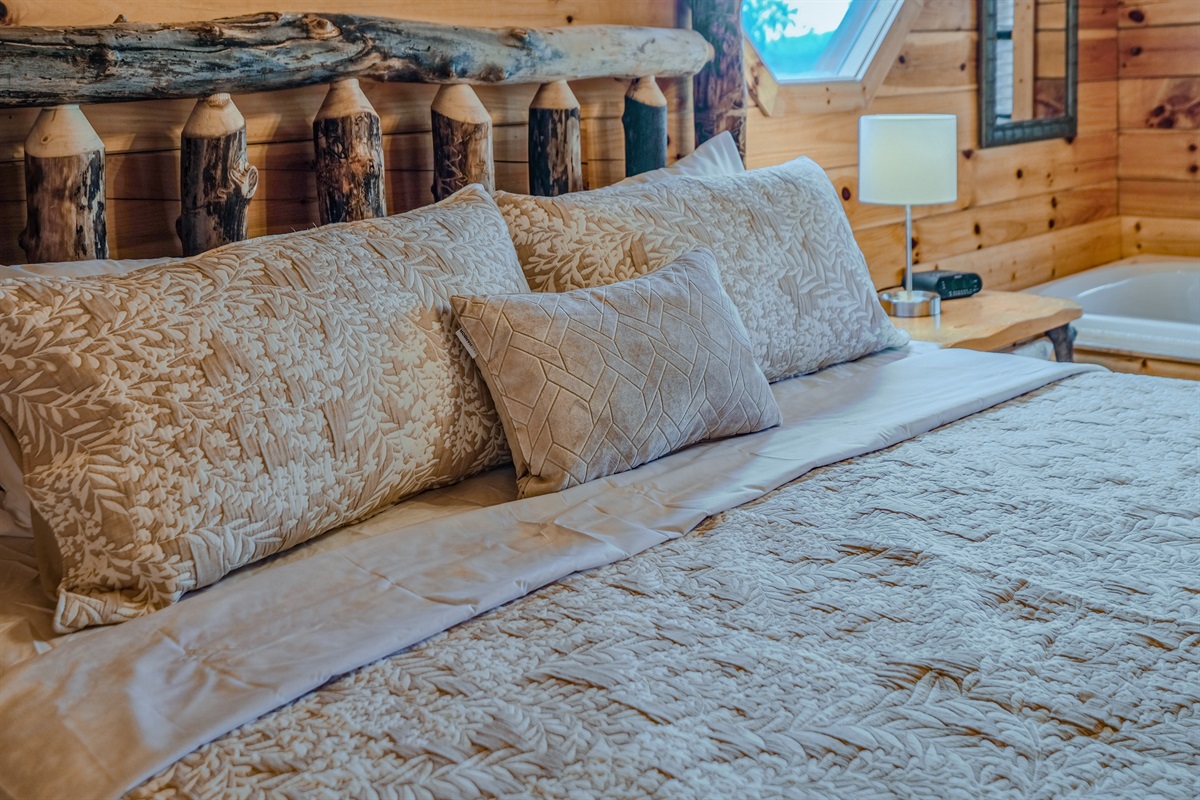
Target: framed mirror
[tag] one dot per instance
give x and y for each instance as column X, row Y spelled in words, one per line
column 1028, row 70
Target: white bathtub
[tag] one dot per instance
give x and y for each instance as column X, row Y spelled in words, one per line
column 1145, row 306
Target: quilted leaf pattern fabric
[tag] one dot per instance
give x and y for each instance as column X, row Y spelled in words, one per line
column 784, row 246
column 1004, row 608
column 597, row 381
column 183, row 420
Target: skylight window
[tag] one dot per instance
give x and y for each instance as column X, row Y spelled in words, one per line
column 818, row 40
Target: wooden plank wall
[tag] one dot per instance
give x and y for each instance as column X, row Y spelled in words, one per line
column 1159, row 126
column 1025, row 213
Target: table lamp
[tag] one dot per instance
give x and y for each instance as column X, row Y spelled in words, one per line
column 907, row 160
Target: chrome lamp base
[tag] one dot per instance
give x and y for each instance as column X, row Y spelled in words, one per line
column 902, row 303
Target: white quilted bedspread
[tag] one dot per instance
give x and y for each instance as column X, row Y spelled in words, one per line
column 1008, row 606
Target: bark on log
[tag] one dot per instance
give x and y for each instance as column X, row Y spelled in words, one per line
column 555, row 160
column 720, row 86
column 349, row 148
column 462, row 141
column 216, row 181
column 64, row 189
column 645, row 123
column 262, row 52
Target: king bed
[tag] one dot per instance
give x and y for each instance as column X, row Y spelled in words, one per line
column 632, row 492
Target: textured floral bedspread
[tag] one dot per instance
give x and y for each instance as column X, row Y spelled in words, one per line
column 1008, row 606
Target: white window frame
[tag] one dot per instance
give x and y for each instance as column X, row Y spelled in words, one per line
column 852, row 70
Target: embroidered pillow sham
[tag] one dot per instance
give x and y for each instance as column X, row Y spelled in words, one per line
column 597, row 381
column 716, row 156
column 184, row 420
column 788, row 257
column 13, row 498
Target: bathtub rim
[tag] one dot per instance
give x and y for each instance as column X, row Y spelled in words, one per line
column 1159, row 330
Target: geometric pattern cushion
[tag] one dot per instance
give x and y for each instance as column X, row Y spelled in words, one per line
column 182, row 420
column 788, row 256
column 593, row 382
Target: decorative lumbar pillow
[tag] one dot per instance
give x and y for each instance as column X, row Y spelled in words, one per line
column 182, row 420
column 788, row 257
column 597, row 381
column 716, row 156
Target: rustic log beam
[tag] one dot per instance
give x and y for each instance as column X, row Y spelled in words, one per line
column 462, row 141
column 555, row 152
column 349, row 145
column 645, row 123
column 262, row 52
column 216, row 181
column 720, row 86
column 64, row 188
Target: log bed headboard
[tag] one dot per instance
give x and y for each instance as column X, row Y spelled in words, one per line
column 58, row 69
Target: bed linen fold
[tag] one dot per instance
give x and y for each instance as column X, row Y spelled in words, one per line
column 121, row 703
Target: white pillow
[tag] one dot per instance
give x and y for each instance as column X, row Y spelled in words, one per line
column 13, row 498
column 717, row 156
column 80, row 269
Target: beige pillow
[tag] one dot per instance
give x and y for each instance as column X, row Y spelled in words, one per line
column 597, row 381
column 788, row 257
column 716, row 156
column 13, row 497
column 182, row 420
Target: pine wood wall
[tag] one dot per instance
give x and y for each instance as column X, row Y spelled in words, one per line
column 1159, row 125
column 1025, row 213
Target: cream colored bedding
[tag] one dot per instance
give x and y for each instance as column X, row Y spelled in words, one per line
column 941, row 618
column 1004, row 608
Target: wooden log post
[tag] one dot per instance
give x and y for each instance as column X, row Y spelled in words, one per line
column 216, row 181
column 645, row 123
column 64, row 189
column 349, row 147
column 719, row 88
column 555, row 153
column 462, row 141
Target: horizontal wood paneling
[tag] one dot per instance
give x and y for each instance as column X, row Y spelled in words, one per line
column 1170, row 235
column 1159, row 52
column 1159, row 103
column 1165, row 198
column 1160, row 155
column 932, row 60
column 1037, row 259
column 1147, row 13
column 1159, row 126
column 947, row 15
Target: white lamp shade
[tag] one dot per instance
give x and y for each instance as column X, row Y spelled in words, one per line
column 908, row 159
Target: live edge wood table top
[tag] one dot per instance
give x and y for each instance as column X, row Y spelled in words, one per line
column 996, row 320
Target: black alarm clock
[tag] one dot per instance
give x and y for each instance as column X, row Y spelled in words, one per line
column 948, row 284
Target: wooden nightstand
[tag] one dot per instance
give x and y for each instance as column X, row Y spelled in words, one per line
column 996, row 320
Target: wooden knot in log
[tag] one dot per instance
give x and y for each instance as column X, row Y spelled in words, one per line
column 320, row 27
